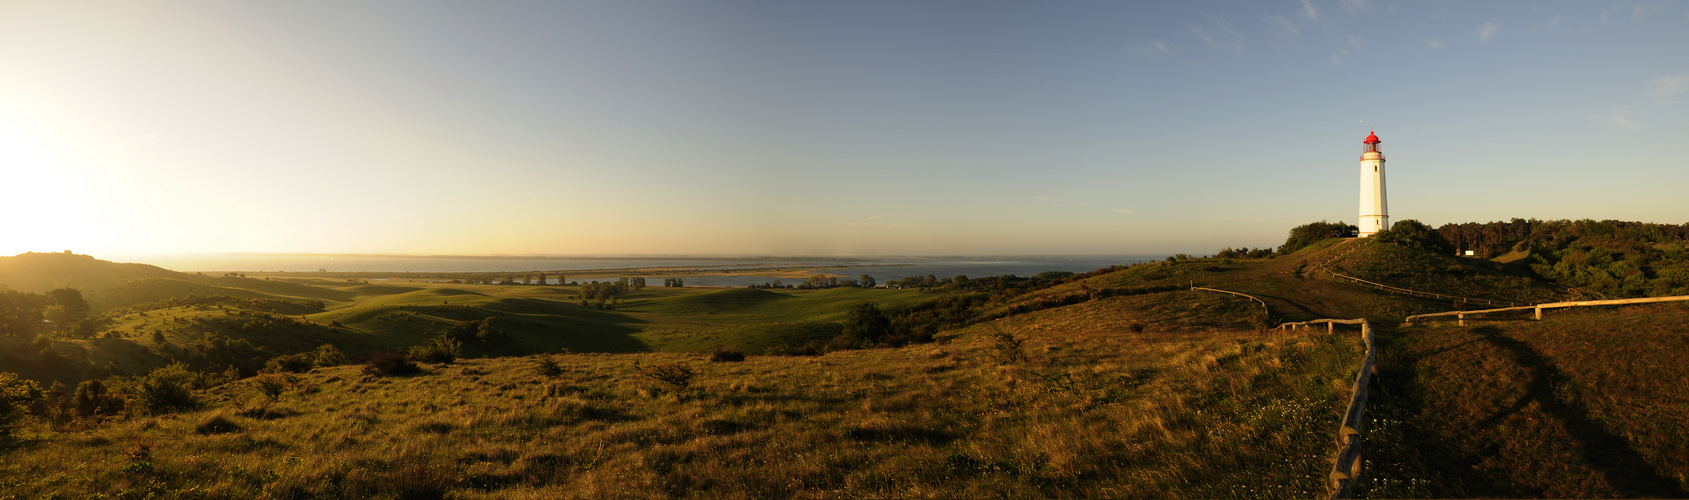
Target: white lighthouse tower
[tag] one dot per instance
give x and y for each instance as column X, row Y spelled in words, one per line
column 1375, row 216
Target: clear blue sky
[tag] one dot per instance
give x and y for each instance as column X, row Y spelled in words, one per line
column 833, row 128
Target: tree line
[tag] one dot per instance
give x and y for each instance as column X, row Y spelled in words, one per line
column 63, row 309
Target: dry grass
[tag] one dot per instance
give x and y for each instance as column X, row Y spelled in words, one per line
column 1094, row 411
column 1587, row 403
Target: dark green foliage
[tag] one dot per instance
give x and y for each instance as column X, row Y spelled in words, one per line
column 272, row 385
column 1413, row 234
column 674, row 375
column 20, row 313
column 1052, row 275
column 291, row 363
column 1611, row 258
column 92, row 399
column 864, row 323
column 15, row 396
column 442, row 349
column 725, row 355
column 477, row 330
column 1308, row 234
column 390, row 363
column 329, row 355
column 165, row 389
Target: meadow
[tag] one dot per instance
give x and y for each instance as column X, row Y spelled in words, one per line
column 1123, row 382
column 1080, row 407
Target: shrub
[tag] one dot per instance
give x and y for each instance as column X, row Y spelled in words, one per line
column 272, row 385
column 1008, row 349
column 329, row 355
column 1414, row 234
column 16, row 394
column 1308, row 234
column 725, row 355
column 292, row 363
column 865, row 321
column 390, row 363
column 1135, row 326
column 676, row 375
column 165, row 389
column 443, row 349
column 547, row 366
column 92, row 399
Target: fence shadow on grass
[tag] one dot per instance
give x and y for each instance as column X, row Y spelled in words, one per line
column 1624, row 468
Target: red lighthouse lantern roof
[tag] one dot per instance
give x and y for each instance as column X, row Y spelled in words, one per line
column 1372, row 138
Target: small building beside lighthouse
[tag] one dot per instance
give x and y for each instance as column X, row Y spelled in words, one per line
column 1375, row 215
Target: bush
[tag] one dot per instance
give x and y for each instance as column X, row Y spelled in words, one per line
column 725, row 355
column 1008, row 349
column 16, row 394
column 92, row 399
column 1414, row 234
column 292, row 363
column 390, row 363
column 547, row 366
column 329, row 355
column 166, row 389
column 443, row 349
column 676, row 375
column 1308, row 234
column 272, row 385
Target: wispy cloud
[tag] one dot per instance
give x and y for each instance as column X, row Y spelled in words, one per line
column 1309, row 12
column 1487, row 31
column 1618, row 119
column 1669, row 89
column 1552, row 22
column 1281, row 27
column 1220, row 35
column 1122, row 211
column 1155, row 50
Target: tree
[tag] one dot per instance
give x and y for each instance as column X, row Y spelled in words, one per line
column 20, row 313
column 868, row 281
column 541, row 280
column 1413, row 234
column 66, row 309
column 16, row 394
column 1308, row 234
column 865, row 321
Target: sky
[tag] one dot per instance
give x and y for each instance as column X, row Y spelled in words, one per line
column 819, row 128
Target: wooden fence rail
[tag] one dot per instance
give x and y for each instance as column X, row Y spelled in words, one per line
column 1461, row 315
column 1244, row 295
column 1347, row 468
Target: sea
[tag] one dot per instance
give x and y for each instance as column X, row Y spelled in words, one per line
column 741, row 271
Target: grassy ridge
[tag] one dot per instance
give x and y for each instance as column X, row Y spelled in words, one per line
column 1586, row 403
column 1092, row 411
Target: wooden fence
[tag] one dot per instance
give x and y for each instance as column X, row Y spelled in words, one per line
column 1244, row 295
column 1347, row 468
column 1461, row 315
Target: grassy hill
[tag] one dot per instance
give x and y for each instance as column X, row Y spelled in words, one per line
column 1585, row 403
column 1090, row 411
column 1119, row 383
